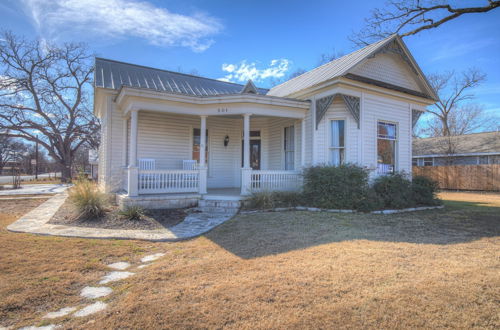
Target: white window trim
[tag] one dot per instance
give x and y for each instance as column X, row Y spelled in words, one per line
column 398, row 136
column 282, row 143
column 210, row 153
column 328, row 134
column 423, row 161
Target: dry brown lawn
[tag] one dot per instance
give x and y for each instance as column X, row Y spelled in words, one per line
column 39, row 274
column 428, row 269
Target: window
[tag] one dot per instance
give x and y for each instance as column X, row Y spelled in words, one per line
column 386, row 147
column 289, row 147
column 429, row 161
column 414, row 162
column 482, row 160
column 336, row 147
column 196, row 145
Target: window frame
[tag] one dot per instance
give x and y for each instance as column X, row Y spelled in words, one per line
column 285, row 151
column 396, row 144
column 207, row 151
column 329, row 140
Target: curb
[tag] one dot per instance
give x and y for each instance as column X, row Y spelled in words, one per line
column 315, row 209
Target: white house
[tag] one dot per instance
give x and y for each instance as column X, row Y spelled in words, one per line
column 174, row 138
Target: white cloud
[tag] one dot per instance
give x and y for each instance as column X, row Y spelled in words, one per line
column 244, row 71
column 119, row 19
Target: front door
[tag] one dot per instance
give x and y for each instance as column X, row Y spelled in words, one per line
column 254, row 154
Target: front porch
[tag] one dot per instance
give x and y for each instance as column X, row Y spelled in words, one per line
column 168, row 159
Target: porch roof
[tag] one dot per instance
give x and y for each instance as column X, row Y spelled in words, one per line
column 115, row 75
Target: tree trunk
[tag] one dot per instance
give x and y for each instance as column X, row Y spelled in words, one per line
column 66, row 170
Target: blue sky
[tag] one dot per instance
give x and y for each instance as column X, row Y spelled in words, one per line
column 236, row 40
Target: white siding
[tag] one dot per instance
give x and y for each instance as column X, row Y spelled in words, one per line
column 388, row 68
column 276, row 142
column 337, row 110
column 385, row 109
column 309, row 138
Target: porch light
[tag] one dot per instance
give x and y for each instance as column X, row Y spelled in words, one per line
column 226, row 140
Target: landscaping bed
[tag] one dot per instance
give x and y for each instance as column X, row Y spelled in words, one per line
column 112, row 219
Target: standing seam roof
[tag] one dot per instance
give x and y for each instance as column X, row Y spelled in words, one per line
column 113, row 74
column 326, row 71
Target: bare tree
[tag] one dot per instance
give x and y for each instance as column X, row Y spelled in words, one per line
column 46, row 95
column 11, row 150
column 453, row 115
column 330, row 56
column 408, row 17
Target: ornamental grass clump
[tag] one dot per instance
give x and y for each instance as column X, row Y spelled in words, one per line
column 132, row 212
column 88, row 199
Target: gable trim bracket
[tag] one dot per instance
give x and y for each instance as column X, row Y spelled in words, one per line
column 352, row 103
column 415, row 115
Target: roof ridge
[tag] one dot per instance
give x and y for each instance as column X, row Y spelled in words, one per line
column 442, row 137
column 170, row 71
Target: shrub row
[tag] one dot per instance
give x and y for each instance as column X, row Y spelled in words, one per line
column 347, row 187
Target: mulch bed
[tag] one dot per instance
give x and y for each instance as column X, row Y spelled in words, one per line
column 111, row 219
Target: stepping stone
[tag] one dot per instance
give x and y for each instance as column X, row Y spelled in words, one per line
column 115, row 276
column 91, row 309
column 143, row 266
column 62, row 312
column 120, row 265
column 92, row 292
column 45, row 327
column 152, row 257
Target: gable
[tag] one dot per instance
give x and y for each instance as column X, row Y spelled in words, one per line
column 388, row 68
column 387, row 63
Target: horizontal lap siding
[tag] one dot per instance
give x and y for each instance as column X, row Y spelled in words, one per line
column 337, row 110
column 165, row 138
column 276, row 142
column 224, row 162
column 380, row 108
column 388, row 68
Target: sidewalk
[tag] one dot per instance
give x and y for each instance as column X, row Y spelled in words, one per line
column 35, row 189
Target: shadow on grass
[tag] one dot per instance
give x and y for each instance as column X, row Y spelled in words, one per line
column 262, row 234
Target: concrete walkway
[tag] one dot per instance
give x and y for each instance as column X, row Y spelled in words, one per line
column 36, row 222
column 36, row 189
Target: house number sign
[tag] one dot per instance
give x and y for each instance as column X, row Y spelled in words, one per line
column 222, row 110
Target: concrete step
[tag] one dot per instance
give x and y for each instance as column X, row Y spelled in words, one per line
column 223, row 204
column 219, row 206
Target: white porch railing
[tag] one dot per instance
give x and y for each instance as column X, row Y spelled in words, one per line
column 272, row 180
column 168, row 181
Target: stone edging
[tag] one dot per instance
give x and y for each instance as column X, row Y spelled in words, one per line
column 316, row 209
column 36, row 222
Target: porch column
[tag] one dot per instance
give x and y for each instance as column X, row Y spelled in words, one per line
column 203, row 165
column 246, row 171
column 303, row 143
column 133, row 171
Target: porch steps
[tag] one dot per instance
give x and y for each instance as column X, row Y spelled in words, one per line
column 219, row 206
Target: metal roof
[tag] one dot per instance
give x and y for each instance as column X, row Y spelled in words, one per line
column 113, row 74
column 337, row 68
column 488, row 142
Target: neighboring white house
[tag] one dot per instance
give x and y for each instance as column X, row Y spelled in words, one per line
column 358, row 109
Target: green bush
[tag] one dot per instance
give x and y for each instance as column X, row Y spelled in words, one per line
column 370, row 201
column 335, row 187
column 394, row 190
column 424, row 191
column 88, row 199
column 268, row 200
column 132, row 212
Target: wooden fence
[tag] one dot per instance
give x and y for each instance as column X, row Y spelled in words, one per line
column 463, row 177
